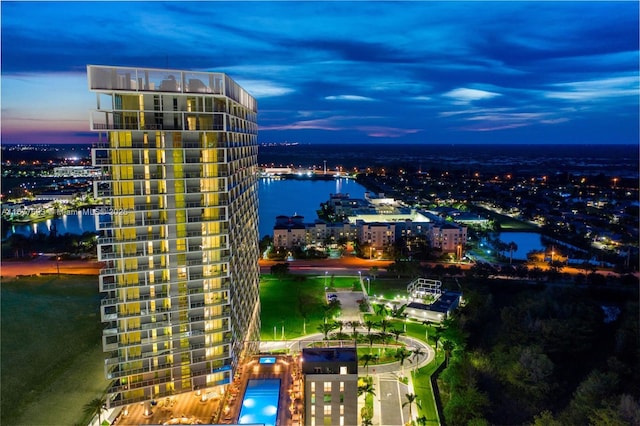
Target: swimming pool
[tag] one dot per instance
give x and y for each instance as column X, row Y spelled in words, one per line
column 260, row 402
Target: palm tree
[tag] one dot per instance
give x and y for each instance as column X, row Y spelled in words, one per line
column 95, row 407
column 339, row 325
column 371, row 337
column 354, row 327
column 369, row 324
column 398, row 310
column 384, row 324
column 411, row 398
column 512, row 247
column 401, row 355
column 422, row 420
column 366, row 359
column 325, row 328
column 448, row 346
column 366, row 389
column 417, row 354
column 380, row 309
column 384, row 337
column 396, row 332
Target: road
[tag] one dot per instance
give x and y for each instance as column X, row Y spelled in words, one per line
column 46, row 265
column 350, row 264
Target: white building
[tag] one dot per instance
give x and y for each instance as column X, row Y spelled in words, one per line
column 181, row 269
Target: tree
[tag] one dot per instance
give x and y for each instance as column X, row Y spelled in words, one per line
column 95, row 407
column 545, row 418
column 369, row 325
column 417, row 354
column 411, row 398
column 280, row 269
column 367, row 389
column 339, row 325
column 380, row 309
column 366, row 359
column 401, row 355
column 396, row 332
column 465, row 405
column 373, row 271
column 448, row 346
column 384, row 324
column 325, row 328
column 512, row 247
column 354, row 327
column 398, row 310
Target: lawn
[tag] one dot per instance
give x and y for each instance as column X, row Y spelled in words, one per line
column 388, row 288
column 422, row 387
column 292, row 302
column 51, row 356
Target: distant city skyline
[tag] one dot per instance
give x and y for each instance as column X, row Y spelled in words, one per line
column 344, row 72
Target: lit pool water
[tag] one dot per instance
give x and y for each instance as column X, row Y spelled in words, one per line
column 260, row 402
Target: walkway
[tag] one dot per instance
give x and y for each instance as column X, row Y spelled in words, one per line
column 388, row 409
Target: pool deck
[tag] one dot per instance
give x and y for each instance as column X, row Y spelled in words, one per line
column 188, row 408
column 290, row 403
column 179, row 409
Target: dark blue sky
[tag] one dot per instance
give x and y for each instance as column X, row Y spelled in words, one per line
column 344, row 72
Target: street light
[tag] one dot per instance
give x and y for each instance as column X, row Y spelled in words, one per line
column 325, row 279
column 368, row 286
column 58, row 264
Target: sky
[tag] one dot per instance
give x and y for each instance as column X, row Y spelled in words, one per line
column 419, row 72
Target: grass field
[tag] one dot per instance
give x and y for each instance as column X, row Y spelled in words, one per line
column 422, row 387
column 388, row 287
column 291, row 302
column 51, row 355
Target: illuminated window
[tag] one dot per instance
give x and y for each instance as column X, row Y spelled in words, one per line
column 327, row 386
column 343, row 370
column 313, row 386
column 341, row 386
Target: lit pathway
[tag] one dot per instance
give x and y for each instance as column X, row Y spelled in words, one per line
column 390, row 392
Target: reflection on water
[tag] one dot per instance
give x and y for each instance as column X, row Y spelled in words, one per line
column 526, row 242
column 72, row 224
column 302, row 197
column 275, row 198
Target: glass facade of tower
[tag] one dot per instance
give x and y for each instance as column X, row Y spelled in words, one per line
column 180, row 247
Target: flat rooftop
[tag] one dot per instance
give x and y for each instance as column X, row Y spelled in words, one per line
column 443, row 305
column 329, row 354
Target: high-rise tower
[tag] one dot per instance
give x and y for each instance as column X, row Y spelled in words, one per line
column 181, row 243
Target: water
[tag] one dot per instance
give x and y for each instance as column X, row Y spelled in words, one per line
column 301, row 197
column 260, row 402
column 276, row 197
column 72, row 224
column 526, row 241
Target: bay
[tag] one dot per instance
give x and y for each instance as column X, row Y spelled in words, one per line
column 275, row 197
column 289, row 197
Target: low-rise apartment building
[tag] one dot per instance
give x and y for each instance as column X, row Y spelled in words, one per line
column 377, row 224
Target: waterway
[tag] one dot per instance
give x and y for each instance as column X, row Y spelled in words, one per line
column 526, row 242
column 275, row 197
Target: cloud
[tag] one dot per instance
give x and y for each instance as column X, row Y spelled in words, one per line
column 319, row 124
column 596, row 89
column 348, row 98
column 386, row 132
column 465, row 95
column 264, row 89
